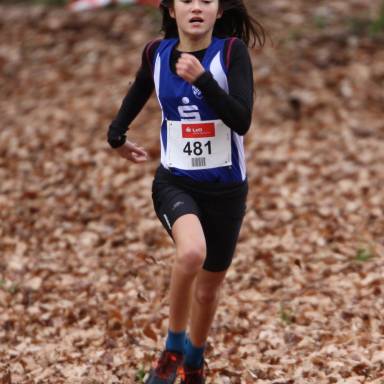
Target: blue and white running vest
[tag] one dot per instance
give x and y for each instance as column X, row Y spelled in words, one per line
column 183, row 108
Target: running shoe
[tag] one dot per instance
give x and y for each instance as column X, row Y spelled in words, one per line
column 191, row 375
column 165, row 370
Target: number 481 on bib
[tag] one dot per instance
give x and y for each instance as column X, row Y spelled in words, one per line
column 198, row 145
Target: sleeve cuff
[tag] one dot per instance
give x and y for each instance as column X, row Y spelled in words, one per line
column 203, row 80
column 115, row 139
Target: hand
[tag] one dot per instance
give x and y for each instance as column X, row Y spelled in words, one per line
column 189, row 68
column 131, row 151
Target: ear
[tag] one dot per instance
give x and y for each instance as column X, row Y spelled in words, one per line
column 219, row 13
column 171, row 11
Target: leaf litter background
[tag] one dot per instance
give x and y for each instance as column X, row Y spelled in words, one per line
column 84, row 262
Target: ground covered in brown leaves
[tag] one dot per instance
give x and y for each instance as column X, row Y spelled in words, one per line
column 84, row 263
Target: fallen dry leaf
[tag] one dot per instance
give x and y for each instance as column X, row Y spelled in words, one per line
column 84, row 262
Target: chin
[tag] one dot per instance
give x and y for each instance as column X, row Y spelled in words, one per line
column 196, row 34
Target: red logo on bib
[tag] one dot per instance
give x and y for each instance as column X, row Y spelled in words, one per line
column 197, row 130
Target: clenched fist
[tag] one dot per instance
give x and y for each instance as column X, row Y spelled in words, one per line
column 189, row 68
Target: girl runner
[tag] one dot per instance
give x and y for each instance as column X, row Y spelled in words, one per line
column 202, row 75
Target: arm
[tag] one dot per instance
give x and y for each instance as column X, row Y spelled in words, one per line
column 133, row 102
column 234, row 108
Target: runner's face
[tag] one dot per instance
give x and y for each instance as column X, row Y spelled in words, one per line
column 195, row 18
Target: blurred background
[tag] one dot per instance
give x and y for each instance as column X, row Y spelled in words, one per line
column 84, row 262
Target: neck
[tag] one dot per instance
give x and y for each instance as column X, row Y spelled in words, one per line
column 186, row 44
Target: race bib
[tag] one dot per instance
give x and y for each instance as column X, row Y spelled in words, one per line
column 198, row 144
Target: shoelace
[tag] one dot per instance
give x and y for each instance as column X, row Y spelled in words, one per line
column 166, row 364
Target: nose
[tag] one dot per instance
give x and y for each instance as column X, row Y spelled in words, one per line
column 196, row 6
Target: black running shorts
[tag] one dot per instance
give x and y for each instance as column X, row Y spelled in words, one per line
column 220, row 208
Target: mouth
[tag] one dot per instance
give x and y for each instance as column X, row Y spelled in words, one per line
column 196, row 20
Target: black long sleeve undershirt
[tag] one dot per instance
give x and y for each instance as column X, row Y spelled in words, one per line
column 234, row 108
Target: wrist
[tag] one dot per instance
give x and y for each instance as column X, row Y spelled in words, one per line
column 202, row 78
column 117, row 141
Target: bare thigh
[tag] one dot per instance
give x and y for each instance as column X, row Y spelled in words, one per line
column 188, row 236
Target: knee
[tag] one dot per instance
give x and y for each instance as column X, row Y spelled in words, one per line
column 192, row 258
column 206, row 295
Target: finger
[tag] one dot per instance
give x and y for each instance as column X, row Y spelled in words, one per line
column 138, row 159
column 183, row 68
column 128, row 155
column 187, row 62
column 180, row 72
column 191, row 61
column 189, row 69
column 140, row 151
column 187, row 56
column 144, row 151
column 181, row 65
column 134, row 147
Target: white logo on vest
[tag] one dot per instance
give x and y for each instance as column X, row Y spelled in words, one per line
column 196, row 91
column 188, row 112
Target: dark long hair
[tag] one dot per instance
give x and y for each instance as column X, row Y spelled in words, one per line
column 235, row 21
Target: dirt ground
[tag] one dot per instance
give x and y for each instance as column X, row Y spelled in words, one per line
column 84, row 262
